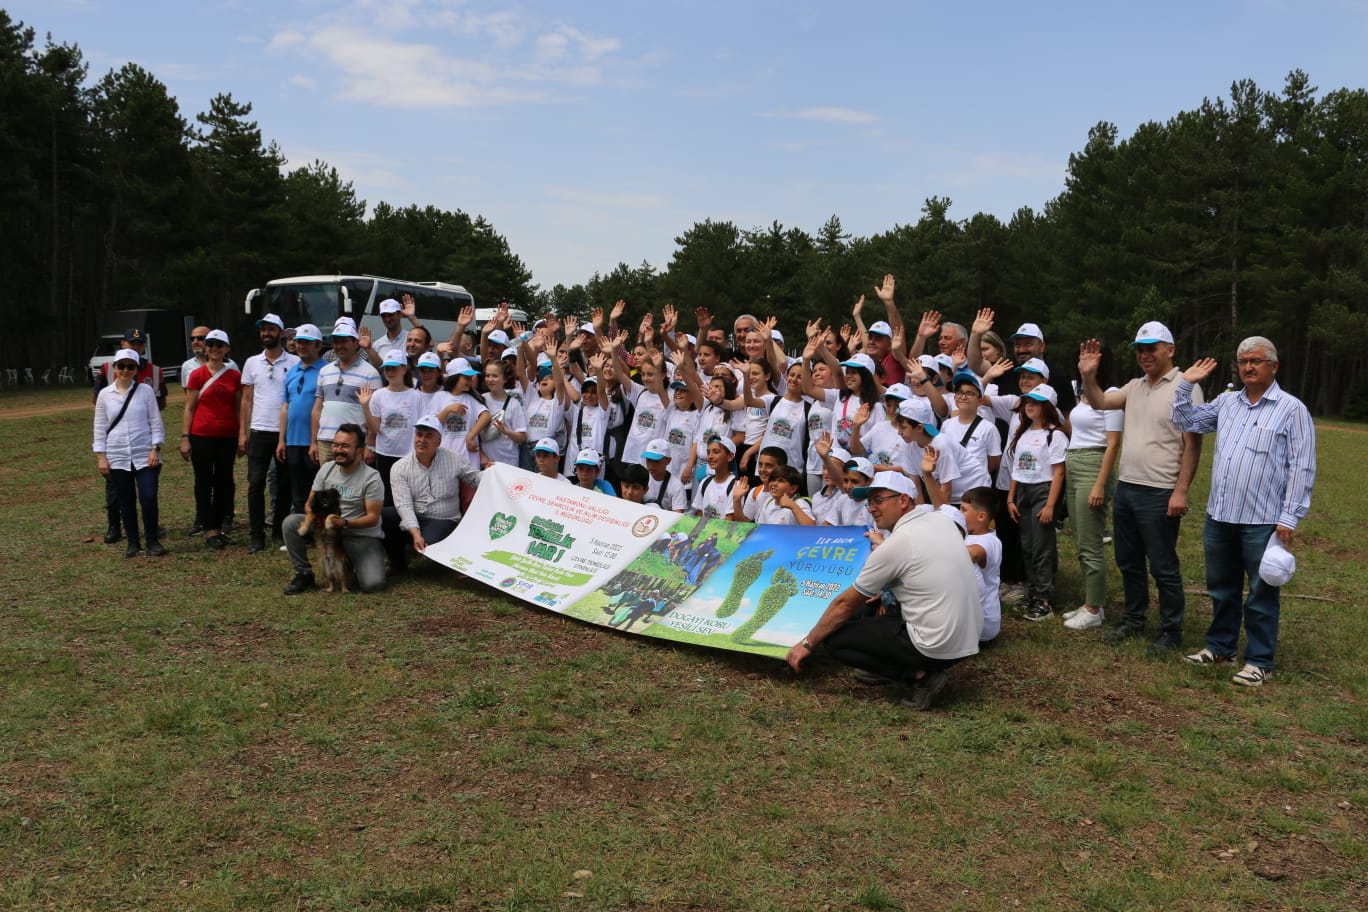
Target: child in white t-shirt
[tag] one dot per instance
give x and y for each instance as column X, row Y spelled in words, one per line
column 1036, row 456
column 985, row 551
column 782, row 506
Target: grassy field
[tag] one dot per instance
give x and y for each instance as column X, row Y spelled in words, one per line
column 176, row 734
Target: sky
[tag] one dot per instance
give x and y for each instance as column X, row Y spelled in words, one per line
column 591, row 134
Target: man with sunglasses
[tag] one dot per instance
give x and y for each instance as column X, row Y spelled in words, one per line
column 198, row 357
column 263, row 381
column 1156, row 468
column 296, row 417
column 922, row 568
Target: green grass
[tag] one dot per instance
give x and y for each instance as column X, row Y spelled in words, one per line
column 177, row 734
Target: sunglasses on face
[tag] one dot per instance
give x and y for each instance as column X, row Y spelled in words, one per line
column 125, row 366
column 198, row 338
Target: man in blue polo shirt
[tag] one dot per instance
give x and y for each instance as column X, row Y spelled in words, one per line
column 296, row 415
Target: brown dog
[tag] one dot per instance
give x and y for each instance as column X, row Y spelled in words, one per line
column 337, row 568
column 325, row 512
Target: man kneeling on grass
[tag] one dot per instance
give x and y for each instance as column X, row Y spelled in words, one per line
column 363, row 495
column 914, row 609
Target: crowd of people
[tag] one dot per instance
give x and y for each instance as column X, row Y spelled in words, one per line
column 922, row 433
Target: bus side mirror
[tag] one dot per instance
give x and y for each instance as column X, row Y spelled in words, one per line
column 247, row 301
column 346, row 298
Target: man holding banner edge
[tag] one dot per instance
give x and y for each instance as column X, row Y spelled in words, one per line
column 925, row 568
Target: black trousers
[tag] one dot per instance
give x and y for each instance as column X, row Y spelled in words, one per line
column 212, row 458
column 261, row 447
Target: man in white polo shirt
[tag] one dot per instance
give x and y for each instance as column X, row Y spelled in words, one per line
column 338, row 399
column 263, row 377
column 926, row 571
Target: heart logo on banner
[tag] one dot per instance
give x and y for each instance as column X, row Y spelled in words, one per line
column 501, row 524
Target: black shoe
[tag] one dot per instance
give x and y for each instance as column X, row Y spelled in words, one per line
column 217, row 542
column 924, row 691
column 302, row 582
column 258, row 544
column 1038, row 610
column 132, row 550
column 1164, row 644
column 196, row 529
column 113, row 534
column 1122, row 632
column 226, row 527
column 156, row 549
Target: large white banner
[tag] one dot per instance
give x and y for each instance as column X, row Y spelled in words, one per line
column 639, row 569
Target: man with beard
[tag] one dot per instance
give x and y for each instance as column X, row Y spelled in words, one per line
column 1027, row 342
column 362, row 496
column 263, row 379
column 392, row 314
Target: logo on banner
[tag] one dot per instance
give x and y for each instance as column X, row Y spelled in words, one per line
column 500, row 524
column 645, row 526
column 517, row 489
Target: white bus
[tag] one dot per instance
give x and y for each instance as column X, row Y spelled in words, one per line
column 321, row 299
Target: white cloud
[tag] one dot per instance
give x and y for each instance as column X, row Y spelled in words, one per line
column 825, row 115
column 419, row 54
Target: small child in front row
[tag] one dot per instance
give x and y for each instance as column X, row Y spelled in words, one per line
column 847, row 472
column 781, row 505
column 985, row 550
column 1036, row 455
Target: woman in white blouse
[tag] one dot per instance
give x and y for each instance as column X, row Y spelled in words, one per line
column 128, row 441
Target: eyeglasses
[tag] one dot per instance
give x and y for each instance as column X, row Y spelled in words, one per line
column 1253, row 362
column 967, row 394
column 299, row 387
column 125, row 366
column 873, row 501
column 198, row 338
column 215, row 343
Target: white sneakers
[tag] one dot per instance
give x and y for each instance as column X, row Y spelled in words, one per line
column 1251, row 676
column 1083, row 619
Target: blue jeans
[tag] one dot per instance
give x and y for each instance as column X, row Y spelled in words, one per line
column 1233, row 553
column 1146, row 537
column 134, row 488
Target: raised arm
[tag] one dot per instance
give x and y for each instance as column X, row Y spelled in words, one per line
column 983, row 322
column 1089, row 355
column 885, row 293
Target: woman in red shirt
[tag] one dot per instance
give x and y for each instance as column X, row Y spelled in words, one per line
column 209, row 436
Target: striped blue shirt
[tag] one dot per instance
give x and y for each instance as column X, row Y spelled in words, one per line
column 1265, row 462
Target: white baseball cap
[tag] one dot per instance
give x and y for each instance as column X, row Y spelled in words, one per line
column 1152, row 332
column 271, row 319
column 919, row 410
column 860, row 360
column 880, row 328
column 430, row 422
column 1043, row 393
column 390, row 306
column 889, row 481
column 308, row 332
column 217, row 335
column 656, row 449
column 1028, row 331
column 1037, row 366
column 589, row 457
column 547, row 445
column 1278, row 563
column 430, row 359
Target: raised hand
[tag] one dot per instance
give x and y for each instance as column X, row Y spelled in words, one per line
column 858, row 308
column 847, row 332
column 824, row 444
column 363, row 396
column 997, row 370
column 467, row 316
column 365, row 338
column 983, row 321
column 861, row 415
column 930, row 324
column 704, row 318
column 1089, row 357
column 408, row 307
column 814, row 328
column 596, row 318
column 619, row 307
column 1199, row 371
column 930, row 456
column 885, row 291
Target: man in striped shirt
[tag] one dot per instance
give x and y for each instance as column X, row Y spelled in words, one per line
column 427, row 494
column 1261, row 480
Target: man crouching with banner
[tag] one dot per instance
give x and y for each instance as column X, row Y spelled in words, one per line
column 923, row 569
